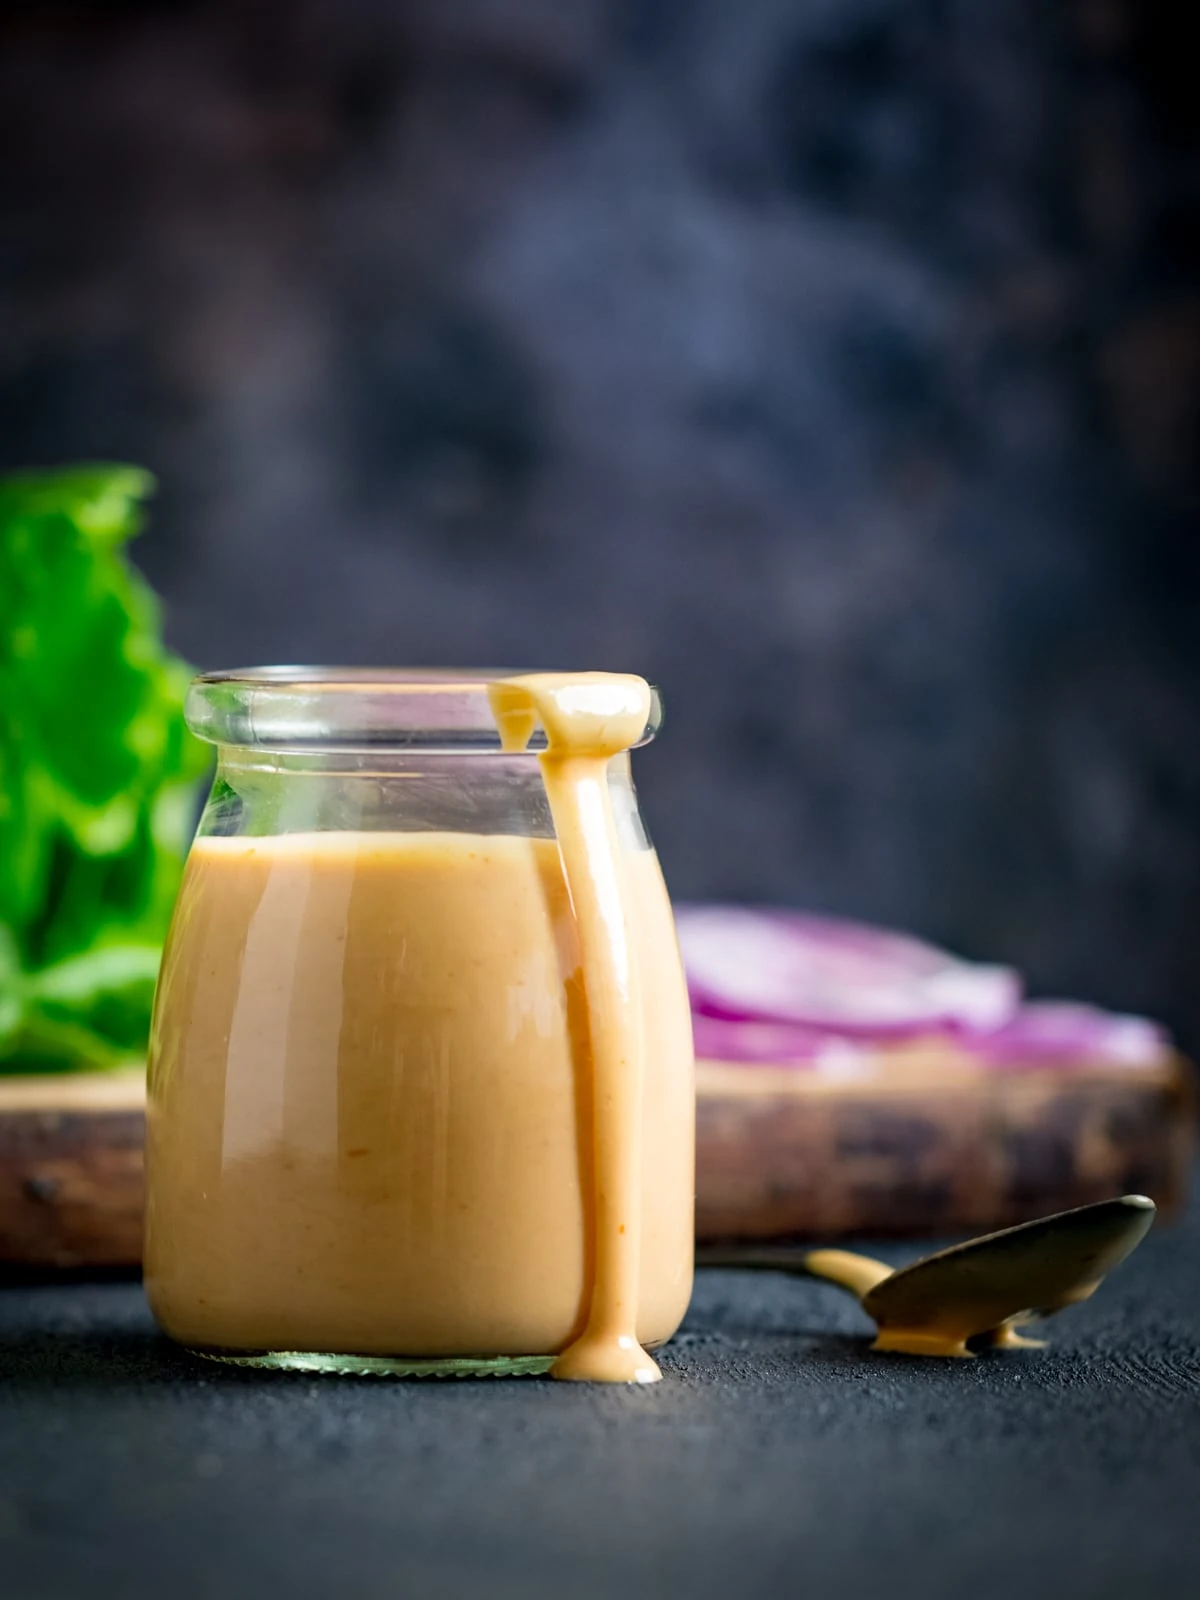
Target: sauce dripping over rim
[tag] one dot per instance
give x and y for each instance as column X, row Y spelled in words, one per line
column 589, row 718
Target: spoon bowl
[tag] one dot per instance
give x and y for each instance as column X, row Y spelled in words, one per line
column 979, row 1293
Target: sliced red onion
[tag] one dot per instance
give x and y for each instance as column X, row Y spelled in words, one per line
column 1060, row 1031
column 779, row 1044
column 724, row 1039
column 1044, row 1033
column 827, row 975
column 787, row 989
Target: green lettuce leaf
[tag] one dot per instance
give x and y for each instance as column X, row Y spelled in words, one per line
column 98, row 774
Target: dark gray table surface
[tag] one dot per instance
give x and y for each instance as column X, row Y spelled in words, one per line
column 779, row 1457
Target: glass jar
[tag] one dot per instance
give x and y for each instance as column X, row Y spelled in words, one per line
column 370, row 1123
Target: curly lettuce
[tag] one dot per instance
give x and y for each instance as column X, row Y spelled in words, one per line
column 98, row 773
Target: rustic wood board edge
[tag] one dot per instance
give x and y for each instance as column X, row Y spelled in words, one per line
column 929, row 1147
column 71, row 1169
column 917, row 1149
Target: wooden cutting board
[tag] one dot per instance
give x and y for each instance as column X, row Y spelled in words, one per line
column 920, row 1147
column 71, row 1169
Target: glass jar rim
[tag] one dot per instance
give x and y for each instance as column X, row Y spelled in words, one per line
column 300, row 708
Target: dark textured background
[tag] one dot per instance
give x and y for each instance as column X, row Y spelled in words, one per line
column 834, row 363
column 778, row 1459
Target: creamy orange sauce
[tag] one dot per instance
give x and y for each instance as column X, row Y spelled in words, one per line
column 588, row 719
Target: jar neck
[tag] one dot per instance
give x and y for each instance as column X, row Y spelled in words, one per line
column 259, row 791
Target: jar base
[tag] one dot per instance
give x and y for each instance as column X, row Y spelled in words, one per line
column 324, row 1363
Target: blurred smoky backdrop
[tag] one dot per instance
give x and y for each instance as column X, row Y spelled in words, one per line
column 834, row 363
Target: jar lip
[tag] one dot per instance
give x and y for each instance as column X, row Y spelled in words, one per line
column 298, row 708
column 335, row 680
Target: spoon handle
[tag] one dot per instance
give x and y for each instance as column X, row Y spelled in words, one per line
column 857, row 1273
column 849, row 1271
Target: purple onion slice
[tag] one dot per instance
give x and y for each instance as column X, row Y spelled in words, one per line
column 1057, row 1031
column 788, row 989
column 818, row 973
column 778, row 1044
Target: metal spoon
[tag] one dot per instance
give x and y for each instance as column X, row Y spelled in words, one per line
column 981, row 1291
